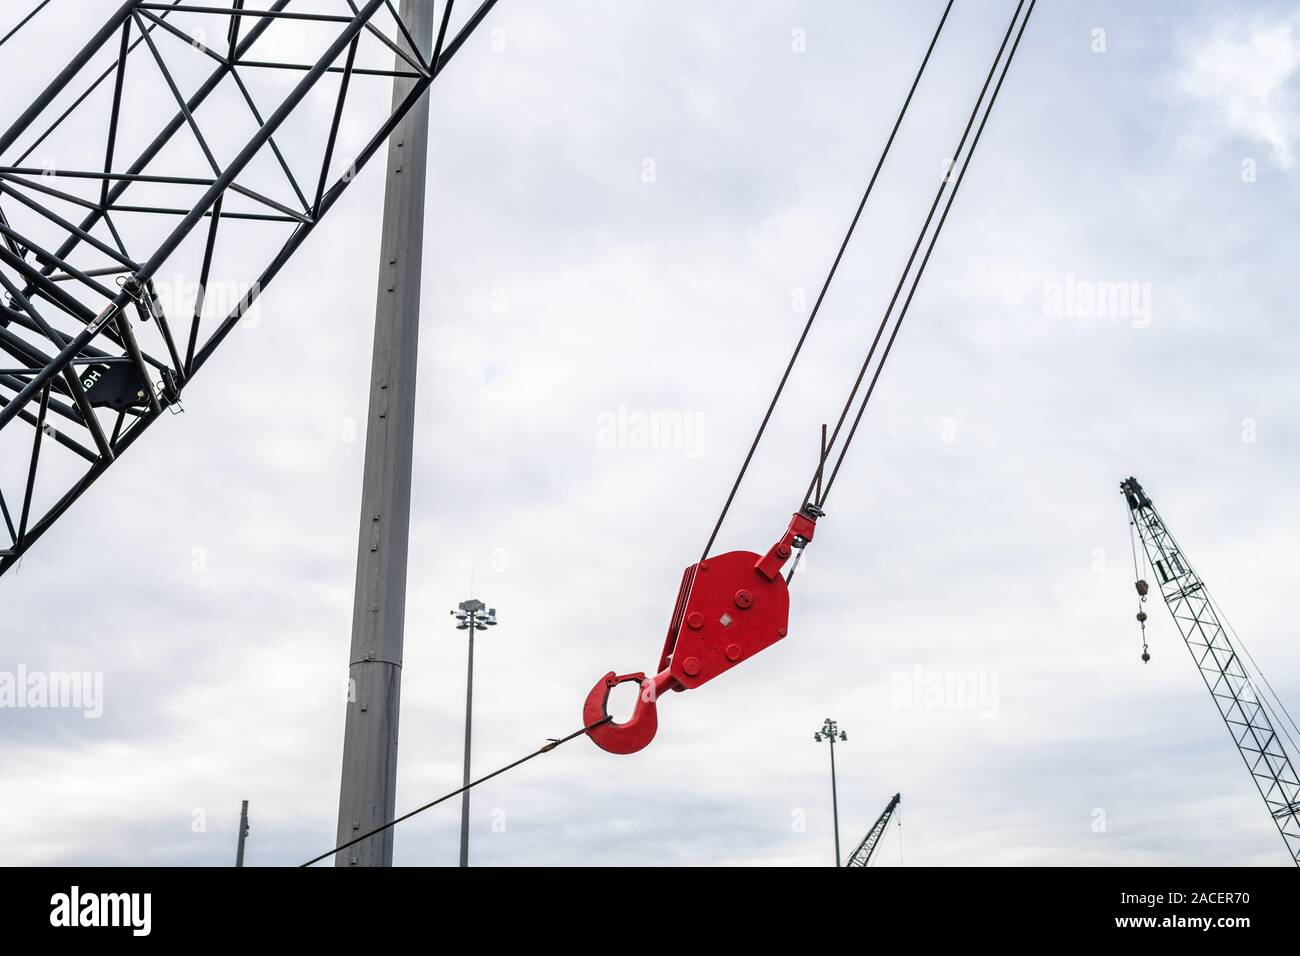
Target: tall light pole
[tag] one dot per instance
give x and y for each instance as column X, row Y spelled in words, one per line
column 830, row 731
column 471, row 616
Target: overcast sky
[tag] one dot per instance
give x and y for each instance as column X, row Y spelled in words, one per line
column 976, row 532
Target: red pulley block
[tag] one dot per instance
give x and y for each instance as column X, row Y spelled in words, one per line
column 729, row 607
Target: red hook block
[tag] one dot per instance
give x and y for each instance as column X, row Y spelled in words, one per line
column 729, row 607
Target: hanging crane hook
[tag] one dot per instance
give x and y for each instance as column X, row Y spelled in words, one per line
column 1142, row 589
column 638, row 730
column 1142, row 621
column 729, row 607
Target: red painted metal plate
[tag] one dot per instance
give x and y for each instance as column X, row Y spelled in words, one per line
column 733, row 612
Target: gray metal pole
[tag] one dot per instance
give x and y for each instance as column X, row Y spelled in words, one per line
column 835, row 803
column 243, row 832
column 368, row 790
column 469, row 714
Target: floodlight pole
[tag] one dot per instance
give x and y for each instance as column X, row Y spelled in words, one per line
column 368, row 789
column 830, row 730
column 469, row 722
column 473, row 615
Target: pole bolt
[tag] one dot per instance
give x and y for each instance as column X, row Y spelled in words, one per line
column 744, row 598
column 695, row 621
column 691, row 665
column 733, row 652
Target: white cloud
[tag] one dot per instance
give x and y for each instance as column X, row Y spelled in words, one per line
column 1243, row 71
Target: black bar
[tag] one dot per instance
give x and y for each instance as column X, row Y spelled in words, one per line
column 57, row 85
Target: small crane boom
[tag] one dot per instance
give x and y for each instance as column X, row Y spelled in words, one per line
column 1223, row 671
column 862, row 855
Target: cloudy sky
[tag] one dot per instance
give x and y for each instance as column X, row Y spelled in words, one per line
column 976, row 533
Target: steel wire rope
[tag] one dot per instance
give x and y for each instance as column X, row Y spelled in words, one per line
column 812, row 316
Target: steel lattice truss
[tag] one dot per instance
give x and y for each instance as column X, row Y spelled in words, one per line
column 862, row 855
column 188, row 149
column 1223, row 671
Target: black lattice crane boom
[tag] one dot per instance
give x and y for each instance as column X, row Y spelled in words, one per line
column 1245, row 711
column 862, row 855
column 187, row 148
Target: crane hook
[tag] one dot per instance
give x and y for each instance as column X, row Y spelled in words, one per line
column 1142, row 589
column 729, row 607
column 638, row 730
column 1142, row 623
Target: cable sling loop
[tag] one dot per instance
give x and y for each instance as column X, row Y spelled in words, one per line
column 812, row 316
